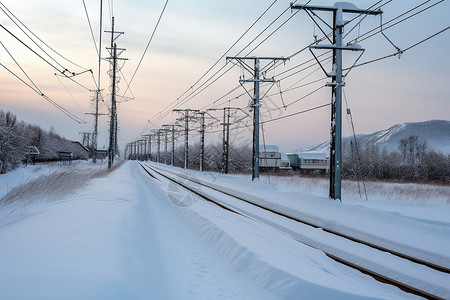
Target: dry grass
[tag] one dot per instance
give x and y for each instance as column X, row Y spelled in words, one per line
column 400, row 193
column 412, row 193
column 54, row 186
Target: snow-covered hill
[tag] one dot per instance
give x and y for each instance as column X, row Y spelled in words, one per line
column 435, row 133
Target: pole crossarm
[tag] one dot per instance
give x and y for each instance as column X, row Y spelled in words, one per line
column 346, row 8
column 353, row 47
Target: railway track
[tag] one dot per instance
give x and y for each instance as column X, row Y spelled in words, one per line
column 384, row 264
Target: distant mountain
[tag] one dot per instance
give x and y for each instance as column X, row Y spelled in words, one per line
column 435, row 133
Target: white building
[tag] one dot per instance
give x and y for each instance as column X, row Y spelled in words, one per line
column 310, row 160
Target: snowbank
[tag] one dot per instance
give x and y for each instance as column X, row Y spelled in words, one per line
column 126, row 236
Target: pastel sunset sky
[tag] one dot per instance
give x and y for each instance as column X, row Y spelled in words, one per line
column 192, row 36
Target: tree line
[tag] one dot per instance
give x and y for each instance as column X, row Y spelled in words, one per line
column 16, row 137
column 239, row 159
column 412, row 162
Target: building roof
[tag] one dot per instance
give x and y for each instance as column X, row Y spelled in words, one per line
column 313, row 155
column 268, row 148
column 80, row 145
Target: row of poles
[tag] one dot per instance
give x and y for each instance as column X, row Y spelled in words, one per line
column 142, row 148
column 254, row 66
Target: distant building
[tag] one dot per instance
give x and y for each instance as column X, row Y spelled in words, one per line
column 270, row 158
column 314, row 161
column 80, row 146
column 102, row 153
column 79, row 151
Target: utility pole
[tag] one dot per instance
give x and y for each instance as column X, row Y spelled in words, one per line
column 86, row 139
column 148, row 146
column 131, row 151
column 139, row 144
column 158, row 141
column 172, row 161
column 256, row 70
column 225, row 136
column 171, row 127
column 226, row 141
column 112, row 143
column 165, row 146
column 95, row 133
column 128, row 152
column 202, row 139
column 337, row 83
column 114, row 56
column 98, row 91
column 186, row 133
column 145, row 147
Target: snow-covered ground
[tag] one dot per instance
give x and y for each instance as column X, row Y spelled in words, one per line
column 124, row 235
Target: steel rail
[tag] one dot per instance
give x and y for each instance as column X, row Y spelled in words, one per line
column 379, row 277
column 349, row 237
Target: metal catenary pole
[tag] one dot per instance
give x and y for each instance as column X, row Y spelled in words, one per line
column 186, row 133
column 337, row 83
column 173, row 146
column 202, row 139
column 165, row 146
column 158, row 136
column 171, row 127
column 112, row 143
column 255, row 71
column 113, row 111
column 148, row 146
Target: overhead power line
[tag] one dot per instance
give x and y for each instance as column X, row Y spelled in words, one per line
column 63, row 71
column 223, row 55
column 90, row 27
column 402, row 51
column 13, row 18
column 382, row 27
column 328, row 52
column 146, row 48
column 194, row 93
column 37, row 91
column 297, row 113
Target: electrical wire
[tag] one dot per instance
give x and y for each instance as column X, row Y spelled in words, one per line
column 396, row 23
column 160, row 116
column 358, row 155
column 404, row 50
column 10, row 15
column 37, row 91
column 326, row 36
column 100, row 45
column 295, row 101
column 229, row 49
column 90, row 27
column 67, row 90
column 193, row 92
column 290, row 88
column 29, row 48
column 63, row 72
column 146, row 48
column 23, row 71
column 297, row 113
column 257, row 46
column 260, row 45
